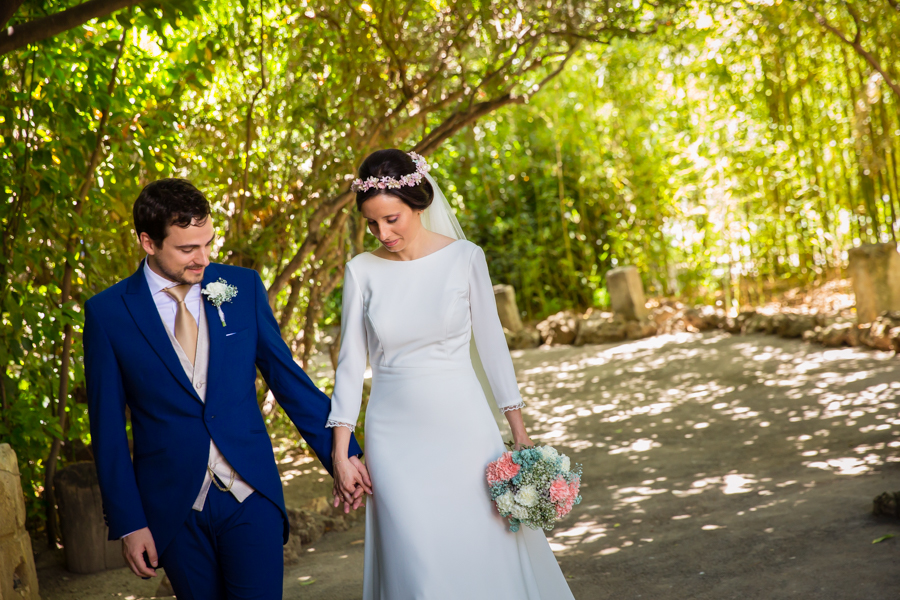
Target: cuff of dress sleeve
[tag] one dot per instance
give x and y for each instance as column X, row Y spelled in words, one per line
column 332, row 423
column 519, row 406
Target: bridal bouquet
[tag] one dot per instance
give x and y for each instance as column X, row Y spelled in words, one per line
column 534, row 486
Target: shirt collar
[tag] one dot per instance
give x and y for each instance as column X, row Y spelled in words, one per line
column 158, row 283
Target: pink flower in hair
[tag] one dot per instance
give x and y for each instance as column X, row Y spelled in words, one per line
column 502, row 469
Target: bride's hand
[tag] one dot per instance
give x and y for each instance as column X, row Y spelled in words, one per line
column 350, row 483
column 522, row 441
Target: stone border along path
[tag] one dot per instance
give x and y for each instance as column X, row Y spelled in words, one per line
column 716, row 467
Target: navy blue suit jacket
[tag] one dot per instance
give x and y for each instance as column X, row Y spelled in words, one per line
column 129, row 360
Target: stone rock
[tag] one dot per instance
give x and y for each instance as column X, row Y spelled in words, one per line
column 794, row 326
column 703, row 318
column 559, row 329
column 18, row 578
column 525, row 338
column 895, row 339
column 836, row 334
column 636, row 330
column 880, row 334
column 310, row 523
column 507, row 309
column 165, row 588
column 661, row 315
column 812, row 335
column 626, row 293
column 12, row 505
column 875, row 272
column 758, row 323
column 600, row 328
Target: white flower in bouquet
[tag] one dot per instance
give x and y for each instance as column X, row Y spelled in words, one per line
column 565, row 464
column 505, row 503
column 519, row 512
column 527, row 495
column 549, row 453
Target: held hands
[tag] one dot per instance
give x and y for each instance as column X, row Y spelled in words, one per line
column 351, row 480
column 134, row 545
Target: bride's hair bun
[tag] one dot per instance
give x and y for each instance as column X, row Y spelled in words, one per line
column 394, row 164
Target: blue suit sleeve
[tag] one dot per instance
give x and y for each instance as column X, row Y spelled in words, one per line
column 303, row 402
column 122, row 505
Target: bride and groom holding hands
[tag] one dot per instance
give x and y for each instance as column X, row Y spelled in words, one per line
column 179, row 343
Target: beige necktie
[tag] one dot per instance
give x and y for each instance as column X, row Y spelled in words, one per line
column 185, row 325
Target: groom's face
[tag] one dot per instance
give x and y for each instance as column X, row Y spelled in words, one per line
column 183, row 254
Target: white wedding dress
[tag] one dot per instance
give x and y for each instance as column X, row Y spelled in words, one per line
column 432, row 532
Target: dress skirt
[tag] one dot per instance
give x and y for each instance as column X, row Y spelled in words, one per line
column 432, row 532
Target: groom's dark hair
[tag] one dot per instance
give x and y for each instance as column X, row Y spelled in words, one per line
column 168, row 202
column 395, row 164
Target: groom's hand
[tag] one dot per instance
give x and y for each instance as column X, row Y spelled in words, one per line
column 351, row 480
column 133, row 547
column 364, row 474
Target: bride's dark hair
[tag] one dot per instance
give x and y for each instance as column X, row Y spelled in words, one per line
column 395, row 164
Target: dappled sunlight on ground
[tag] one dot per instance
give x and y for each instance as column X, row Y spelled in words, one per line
column 739, row 416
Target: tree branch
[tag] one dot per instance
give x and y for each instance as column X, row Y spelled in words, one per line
column 8, row 10
column 856, row 44
column 18, row 36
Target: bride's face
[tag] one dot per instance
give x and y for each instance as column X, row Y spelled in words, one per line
column 392, row 221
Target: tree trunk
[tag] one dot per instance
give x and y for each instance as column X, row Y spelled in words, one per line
column 19, row 36
column 66, row 292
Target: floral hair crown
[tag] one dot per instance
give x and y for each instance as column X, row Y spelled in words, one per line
column 385, row 183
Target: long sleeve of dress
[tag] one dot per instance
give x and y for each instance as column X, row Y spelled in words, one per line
column 348, row 379
column 489, row 337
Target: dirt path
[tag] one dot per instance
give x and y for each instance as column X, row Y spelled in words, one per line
column 716, row 467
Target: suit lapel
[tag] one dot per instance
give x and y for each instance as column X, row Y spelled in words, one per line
column 145, row 314
column 216, row 336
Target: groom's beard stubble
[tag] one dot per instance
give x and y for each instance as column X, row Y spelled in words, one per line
column 184, row 277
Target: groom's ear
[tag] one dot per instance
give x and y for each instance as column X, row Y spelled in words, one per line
column 147, row 243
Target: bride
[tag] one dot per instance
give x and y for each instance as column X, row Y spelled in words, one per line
column 413, row 306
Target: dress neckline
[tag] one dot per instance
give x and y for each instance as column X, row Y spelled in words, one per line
column 415, row 259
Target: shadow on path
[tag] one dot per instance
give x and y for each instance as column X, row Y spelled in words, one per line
column 716, row 467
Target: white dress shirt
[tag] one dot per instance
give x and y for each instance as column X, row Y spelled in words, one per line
column 166, row 304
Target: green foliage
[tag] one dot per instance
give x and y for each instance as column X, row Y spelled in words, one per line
column 740, row 154
column 268, row 108
column 725, row 149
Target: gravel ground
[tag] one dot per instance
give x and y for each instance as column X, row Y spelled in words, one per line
column 715, row 467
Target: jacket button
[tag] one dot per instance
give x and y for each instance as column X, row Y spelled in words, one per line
column 198, row 385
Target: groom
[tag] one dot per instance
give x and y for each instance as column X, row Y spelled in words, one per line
column 179, row 343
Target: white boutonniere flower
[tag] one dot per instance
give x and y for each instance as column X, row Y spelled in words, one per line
column 218, row 293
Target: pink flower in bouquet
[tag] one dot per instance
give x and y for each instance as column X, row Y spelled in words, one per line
column 559, row 491
column 502, row 469
column 563, row 494
column 565, row 508
column 575, row 487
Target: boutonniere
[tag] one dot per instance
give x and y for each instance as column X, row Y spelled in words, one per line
column 218, row 293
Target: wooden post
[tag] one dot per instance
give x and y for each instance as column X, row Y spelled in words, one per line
column 84, row 531
column 875, row 272
column 626, row 293
column 505, row 296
